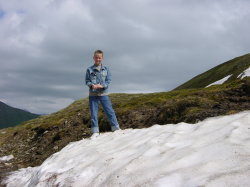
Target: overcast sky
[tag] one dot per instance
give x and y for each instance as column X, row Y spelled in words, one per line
column 149, row 45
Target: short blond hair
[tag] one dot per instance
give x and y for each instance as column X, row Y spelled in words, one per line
column 98, row 52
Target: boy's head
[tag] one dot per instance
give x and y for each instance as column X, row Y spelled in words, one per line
column 98, row 56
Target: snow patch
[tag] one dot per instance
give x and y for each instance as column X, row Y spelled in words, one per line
column 6, row 158
column 214, row 152
column 2, row 132
column 221, row 81
column 245, row 73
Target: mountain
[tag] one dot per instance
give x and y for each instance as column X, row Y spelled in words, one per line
column 10, row 116
column 231, row 70
column 35, row 140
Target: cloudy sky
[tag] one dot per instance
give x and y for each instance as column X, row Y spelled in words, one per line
column 149, row 45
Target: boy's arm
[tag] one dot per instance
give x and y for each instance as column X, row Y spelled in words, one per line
column 87, row 79
column 107, row 80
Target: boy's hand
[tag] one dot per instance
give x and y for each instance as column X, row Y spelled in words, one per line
column 99, row 86
column 96, row 86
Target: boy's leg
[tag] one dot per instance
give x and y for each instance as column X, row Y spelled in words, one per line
column 109, row 111
column 93, row 105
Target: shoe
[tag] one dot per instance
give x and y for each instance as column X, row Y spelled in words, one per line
column 94, row 135
column 117, row 129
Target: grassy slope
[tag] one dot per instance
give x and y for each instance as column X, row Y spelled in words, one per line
column 233, row 67
column 124, row 103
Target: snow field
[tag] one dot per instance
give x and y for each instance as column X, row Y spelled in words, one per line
column 214, row 152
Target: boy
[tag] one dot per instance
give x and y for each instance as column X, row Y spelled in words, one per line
column 98, row 78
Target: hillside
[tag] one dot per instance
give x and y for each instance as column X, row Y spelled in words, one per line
column 10, row 116
column 230, row 70
column 33, row 141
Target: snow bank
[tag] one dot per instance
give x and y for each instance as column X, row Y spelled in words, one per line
column 214, row 152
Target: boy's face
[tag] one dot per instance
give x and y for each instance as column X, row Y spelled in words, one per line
column 98, row 59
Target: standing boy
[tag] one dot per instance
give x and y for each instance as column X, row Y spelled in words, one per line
column 98, row 78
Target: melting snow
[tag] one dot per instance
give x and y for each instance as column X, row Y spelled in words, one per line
column 214, row 152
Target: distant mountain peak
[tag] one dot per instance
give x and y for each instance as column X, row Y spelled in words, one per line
column 10, row 116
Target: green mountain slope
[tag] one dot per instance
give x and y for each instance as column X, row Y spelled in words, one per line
column 10, row 116
column 232, row 68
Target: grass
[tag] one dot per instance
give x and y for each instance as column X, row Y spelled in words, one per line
column 125, row 103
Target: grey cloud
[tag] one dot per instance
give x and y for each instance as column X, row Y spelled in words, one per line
column 149, row 45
